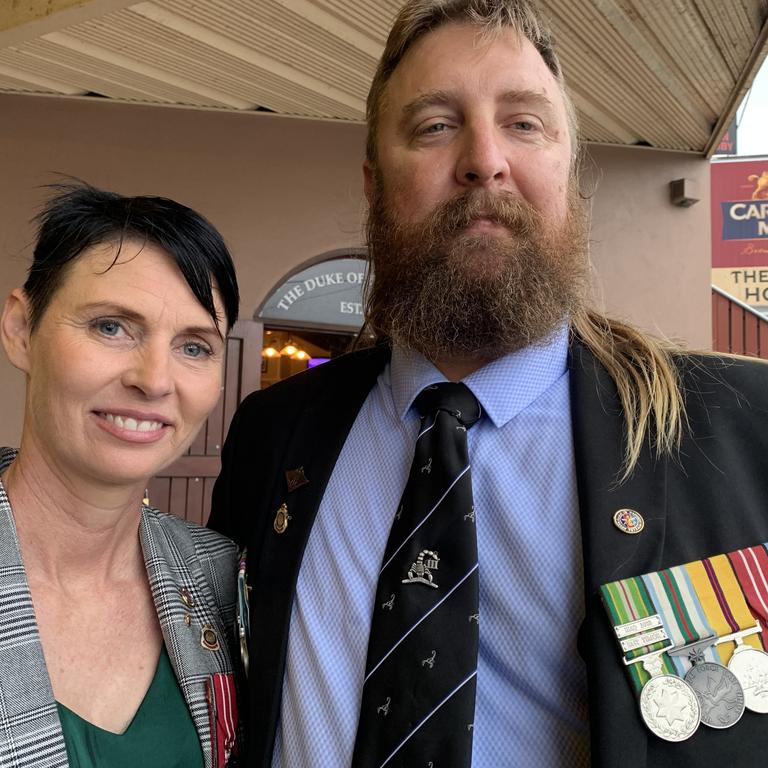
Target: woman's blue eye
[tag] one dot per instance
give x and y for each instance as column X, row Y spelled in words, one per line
column 109, row 327
column 435, row 128
column 192, row 349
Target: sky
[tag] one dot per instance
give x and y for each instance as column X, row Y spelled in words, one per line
column 752, row 117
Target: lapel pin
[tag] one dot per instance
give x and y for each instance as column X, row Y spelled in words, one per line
column 186, row 597
column 209, row 639
column 295, row 478
column 628, row 521
column 281, row 519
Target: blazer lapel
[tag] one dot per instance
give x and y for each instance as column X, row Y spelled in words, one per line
column 609, row 553
column 29, row 725
column 314, row 447
column 185, row 609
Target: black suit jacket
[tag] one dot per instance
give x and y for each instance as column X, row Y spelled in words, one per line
column 710, row 498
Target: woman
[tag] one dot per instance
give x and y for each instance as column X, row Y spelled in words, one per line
column 115, row 619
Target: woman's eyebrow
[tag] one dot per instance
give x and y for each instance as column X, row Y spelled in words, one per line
column 112, row 308
column 120, row 310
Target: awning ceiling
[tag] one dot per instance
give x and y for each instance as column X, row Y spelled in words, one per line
column 660, row 73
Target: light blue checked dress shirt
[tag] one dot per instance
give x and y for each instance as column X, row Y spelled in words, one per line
column 531, row 684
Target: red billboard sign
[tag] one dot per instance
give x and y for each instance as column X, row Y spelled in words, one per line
column 740, row 229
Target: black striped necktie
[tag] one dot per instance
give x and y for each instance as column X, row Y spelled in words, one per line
column 418, row 699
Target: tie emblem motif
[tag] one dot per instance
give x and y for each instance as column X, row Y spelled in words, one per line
column 421, row 570
column 411, row 713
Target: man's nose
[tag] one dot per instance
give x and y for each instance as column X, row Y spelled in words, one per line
column 150, row 371
column 483, row 160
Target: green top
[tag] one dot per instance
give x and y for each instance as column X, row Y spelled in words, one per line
column 161, row 734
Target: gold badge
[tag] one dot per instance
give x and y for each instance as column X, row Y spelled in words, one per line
column 186, row 597
column 281, row 519
column 209, row 639
column 295, row 478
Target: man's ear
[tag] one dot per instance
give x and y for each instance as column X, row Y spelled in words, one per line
column 15, row 329
column 369, row 181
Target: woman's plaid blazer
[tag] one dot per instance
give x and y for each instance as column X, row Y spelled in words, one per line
column 192, row 573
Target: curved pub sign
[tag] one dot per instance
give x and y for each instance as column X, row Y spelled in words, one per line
column 325, row 295
column 740, row 230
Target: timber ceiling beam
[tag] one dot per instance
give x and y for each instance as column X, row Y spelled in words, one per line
column 22, row 20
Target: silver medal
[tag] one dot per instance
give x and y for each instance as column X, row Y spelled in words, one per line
column 668, row 705
column 720, row 694
column 670, row 708
column 751, row 669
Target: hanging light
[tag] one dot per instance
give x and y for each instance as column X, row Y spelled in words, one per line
column 300, row 354
column 270, row 352
column 289, row 349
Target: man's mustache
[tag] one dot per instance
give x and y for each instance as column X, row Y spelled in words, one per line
column 503, row 208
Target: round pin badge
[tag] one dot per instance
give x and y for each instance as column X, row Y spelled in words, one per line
column 628, row 521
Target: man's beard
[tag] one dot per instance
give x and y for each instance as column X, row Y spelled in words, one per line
column 450, row 294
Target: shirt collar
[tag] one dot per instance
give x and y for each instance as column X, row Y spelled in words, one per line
column 504, row 387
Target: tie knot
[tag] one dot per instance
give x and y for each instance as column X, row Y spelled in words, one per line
column 454, row 398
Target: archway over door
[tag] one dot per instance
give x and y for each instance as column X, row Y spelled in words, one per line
column 313, row 314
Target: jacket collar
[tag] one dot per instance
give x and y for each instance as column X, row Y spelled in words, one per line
column 185, row 610
column 609, row 553
column 330, row 408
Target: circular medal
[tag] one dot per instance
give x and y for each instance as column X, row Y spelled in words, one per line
column 751, row 668
column 670, row 708
column 719, row 692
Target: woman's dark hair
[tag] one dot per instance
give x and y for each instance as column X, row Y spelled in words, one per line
column 79, row 216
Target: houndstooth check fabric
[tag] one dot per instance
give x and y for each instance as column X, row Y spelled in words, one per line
column 419, row 693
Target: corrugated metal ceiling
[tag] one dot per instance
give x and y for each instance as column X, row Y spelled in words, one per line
column 662, row 73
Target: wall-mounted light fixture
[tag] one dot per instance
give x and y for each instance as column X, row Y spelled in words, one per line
column 683, row 193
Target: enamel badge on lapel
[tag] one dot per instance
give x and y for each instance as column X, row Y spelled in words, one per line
column 628, row 521
column 281, row 519
column 209, row 639
column 295, row 478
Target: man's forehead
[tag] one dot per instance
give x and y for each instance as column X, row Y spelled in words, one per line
column 454, row 55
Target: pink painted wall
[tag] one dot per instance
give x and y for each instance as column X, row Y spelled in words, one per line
column 283, row 191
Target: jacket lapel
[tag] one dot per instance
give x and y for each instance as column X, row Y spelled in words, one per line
column 29, row 726
column 185, row 609
column 314, row 447
column 609, row 553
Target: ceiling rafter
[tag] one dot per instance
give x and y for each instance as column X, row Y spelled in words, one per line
column 662, row 73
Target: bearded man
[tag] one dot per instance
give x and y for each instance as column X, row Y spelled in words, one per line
column 428, row 522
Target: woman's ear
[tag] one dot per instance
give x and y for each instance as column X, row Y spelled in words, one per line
column 15, row 329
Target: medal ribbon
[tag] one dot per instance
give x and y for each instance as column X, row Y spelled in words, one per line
column 681, row 612
column 751, row 566
column 628, row 600
column 722, row 601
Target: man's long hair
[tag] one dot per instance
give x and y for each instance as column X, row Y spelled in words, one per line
column 642, row 367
